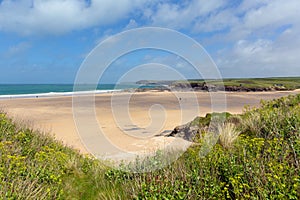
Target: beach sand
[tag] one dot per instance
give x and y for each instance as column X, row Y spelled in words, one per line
column 163, row 111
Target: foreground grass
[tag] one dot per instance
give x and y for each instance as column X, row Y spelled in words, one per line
column 256, row 157
column 35, row 166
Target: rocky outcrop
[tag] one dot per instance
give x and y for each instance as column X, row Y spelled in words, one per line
column 246, row 89
column 198, row 126
column 209, row 86
column 213, row 87
column 187, row 132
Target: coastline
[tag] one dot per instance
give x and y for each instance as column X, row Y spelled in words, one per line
column 54, row 115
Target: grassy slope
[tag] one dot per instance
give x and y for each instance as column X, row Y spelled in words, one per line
column 262, row 163
column 35, row 166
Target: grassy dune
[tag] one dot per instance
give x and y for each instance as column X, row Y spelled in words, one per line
column 256, row 156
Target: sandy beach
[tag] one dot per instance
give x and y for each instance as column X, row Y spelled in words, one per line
column 54, row 115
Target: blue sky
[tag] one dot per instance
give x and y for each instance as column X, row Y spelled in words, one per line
column 45, row 41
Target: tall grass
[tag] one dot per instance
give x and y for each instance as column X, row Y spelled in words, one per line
column 227, row 134
column 35, row 166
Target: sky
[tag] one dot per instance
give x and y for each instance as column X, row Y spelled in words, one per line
column 46, row 41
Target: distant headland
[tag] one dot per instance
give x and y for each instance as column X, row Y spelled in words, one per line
column 228, row 84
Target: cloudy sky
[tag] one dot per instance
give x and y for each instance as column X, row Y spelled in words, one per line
column 45, row 41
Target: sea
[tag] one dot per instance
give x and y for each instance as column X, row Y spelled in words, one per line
column 8, row 91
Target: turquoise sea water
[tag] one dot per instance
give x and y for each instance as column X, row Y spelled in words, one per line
column 27, row 90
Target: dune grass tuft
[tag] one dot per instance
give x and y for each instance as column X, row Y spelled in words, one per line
column 227, row 134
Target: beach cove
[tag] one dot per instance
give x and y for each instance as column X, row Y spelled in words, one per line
column 54, row 115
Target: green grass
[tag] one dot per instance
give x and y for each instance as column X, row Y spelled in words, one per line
column 261, row 163
column 35, row 166
column 289, row 83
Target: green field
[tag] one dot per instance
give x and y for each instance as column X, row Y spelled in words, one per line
column 256, row 157
column 288, row 83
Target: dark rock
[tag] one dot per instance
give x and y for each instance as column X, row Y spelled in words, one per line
column 194, row 128
column 186, row 132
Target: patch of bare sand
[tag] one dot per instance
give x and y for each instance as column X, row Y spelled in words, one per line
column 54, row 115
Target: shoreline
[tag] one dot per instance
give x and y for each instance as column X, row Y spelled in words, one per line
column 130, row 90
column 54, row 115
column 54, row 94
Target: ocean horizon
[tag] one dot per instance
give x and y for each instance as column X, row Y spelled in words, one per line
column 46, row 90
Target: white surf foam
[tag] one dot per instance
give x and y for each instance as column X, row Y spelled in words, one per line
column 55, row 94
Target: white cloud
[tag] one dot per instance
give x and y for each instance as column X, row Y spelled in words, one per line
column 251, row 31
column 182, row 15
column 61, row 16
column 262, row 19
column 262, row 38
column 263, row 57
column 274, row 13
column 247, row 5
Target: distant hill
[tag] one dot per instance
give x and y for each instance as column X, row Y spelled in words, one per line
column 231, row 84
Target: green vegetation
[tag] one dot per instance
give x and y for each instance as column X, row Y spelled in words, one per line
column 288, row 83
column 256, row 157
column 35, row 166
